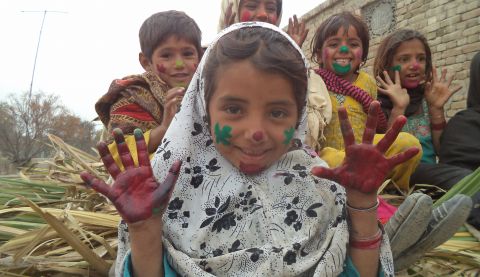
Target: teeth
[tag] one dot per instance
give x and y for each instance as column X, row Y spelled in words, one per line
column 342, row 61
column 252, row 153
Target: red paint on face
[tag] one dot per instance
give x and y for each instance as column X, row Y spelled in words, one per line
column 161, row 68
column 258, row 136
column 195, row 66
column 272, row 19
column 250, row 169
column 415, row 66
column 246, row 16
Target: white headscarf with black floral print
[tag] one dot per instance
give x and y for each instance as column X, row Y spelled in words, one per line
column 281, row 222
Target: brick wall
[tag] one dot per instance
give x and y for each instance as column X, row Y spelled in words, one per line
column 451, row 27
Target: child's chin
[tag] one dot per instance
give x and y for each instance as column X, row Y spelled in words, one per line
column 250, row 169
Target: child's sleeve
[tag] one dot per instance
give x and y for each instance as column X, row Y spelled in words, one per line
column 128, row 268
column 351, row 271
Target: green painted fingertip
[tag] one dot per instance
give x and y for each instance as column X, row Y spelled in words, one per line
column 396, row 68
column 138, row 133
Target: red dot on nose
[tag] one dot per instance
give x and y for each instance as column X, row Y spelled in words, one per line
column 258, row 135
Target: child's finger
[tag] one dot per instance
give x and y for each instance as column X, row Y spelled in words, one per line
column 295, row 21
column 142, row 149
column 123, row 150
column 388, row 80
column 108, row 160
column 383, row 91
column 397, row 77
column 346, row 127
column 391, row 134
column 290, row 26
column 455, row 89
column 168, row 184
column 404, row 156
column 434, row 72
column 97, row 184
column 371, row 124
column 382, row 82
column 443, row 78
column 450, row 80
column 325, row 173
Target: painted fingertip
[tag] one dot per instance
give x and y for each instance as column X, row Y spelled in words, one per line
column 138, row 133
column 396, row 68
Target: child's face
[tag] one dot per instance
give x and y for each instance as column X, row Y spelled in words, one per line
column 258, row 10
column 174, row 61
column 410, row 59
column 342, row 53
column 252, row 116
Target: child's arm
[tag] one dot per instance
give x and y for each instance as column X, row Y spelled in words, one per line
column 437, row 94
column 139, row 199
column 398, row 95
column 362, row 172
column 172, row 101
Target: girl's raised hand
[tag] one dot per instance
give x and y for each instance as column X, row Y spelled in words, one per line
column 296, row 30
column 398, row 95
column 135, row 193
column 365, row 166
column 440, row 90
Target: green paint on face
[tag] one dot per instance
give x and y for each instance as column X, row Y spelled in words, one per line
column 223, row 135
column 288, row 135
column 396, row 68
column 340, row 69
column 343, row 49
column 179, row 63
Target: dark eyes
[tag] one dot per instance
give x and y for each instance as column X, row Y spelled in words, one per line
column 278, row 114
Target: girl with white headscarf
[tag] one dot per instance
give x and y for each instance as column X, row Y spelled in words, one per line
column 227, row 218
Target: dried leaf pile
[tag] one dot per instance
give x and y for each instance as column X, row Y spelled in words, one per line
column 51, row 225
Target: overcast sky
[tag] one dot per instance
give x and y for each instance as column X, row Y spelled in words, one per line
column 85, row 44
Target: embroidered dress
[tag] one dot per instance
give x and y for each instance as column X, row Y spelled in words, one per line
column 220, row 222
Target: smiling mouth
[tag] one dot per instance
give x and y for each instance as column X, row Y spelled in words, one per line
column 342, row 62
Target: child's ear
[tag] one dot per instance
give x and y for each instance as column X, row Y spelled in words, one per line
column 144, row 61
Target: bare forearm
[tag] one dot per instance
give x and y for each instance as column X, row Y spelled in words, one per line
column 363, row 225
column 156, row 136
column 437, row 118
column 146, row 248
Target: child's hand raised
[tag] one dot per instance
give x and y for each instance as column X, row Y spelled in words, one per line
column 296, row 30
column 365, row 167
column 229, row 16
column 135, row 193
column 438, row 92
column 398, row 95
column 173, row 99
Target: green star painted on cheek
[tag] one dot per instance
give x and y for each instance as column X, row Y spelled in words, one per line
column 396, row 68
column 223, row 135
column 288, row 135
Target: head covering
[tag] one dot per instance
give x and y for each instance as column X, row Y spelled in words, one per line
column 473, row 98
column 236, row 10
column 220, row 221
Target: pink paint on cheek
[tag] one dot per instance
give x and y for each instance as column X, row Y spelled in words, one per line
column 325, row 55
column 273, row 19
column 161, row 68
column 359, row 54
column 195, row 66
column 246, row 16
column 258, row 136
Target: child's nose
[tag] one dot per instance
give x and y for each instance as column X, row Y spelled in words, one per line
column 179, row 64
column 344, row 49
column 261, row 13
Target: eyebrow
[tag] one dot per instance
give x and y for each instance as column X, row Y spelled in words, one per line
column 273, row 103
